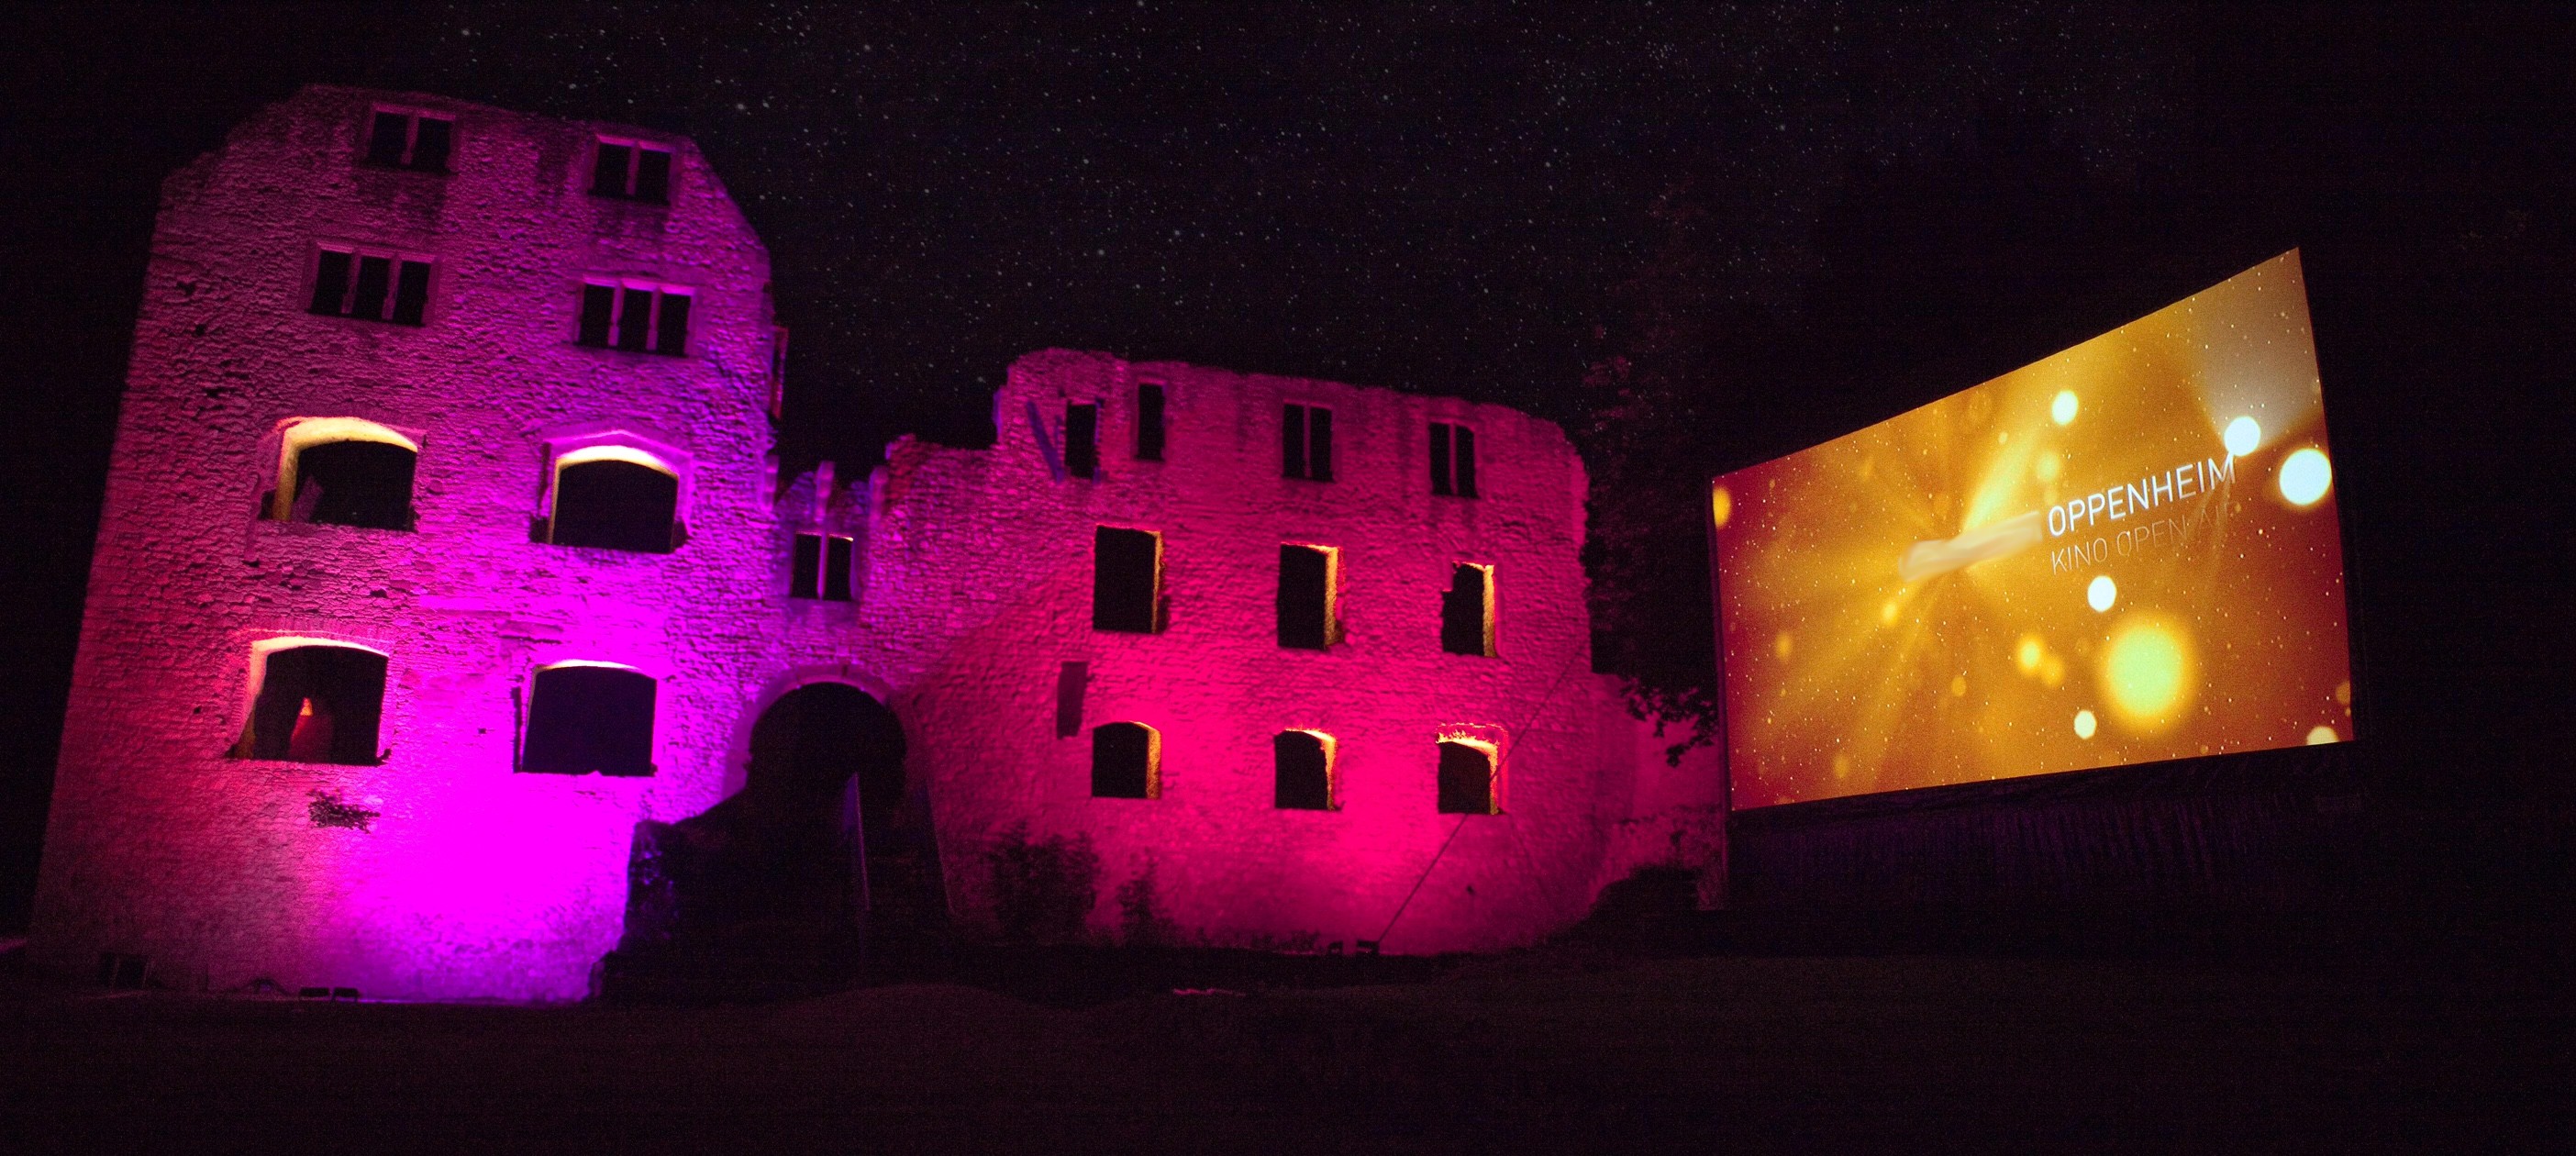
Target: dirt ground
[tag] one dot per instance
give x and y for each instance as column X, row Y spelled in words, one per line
column 1548, row 1051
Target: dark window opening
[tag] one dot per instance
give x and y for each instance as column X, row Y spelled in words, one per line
column 318, row 704
column 1149, row 423
column 821, row 568
column 1305, row 772
column 353, row 483
column 370, row 287
column 1467, row 611
column 633, row 172
column 1082, row 440
column 635, row 319
column 1466, row 780
column 406, row 140
column 590, row 718
column 1453, row 460
column 123, row 972
column 1126, row 580
column 1123, row 758
column 1306, row 597
column 1306, row 443
column 617, row 504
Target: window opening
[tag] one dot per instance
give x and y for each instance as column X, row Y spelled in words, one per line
column 1308, row 576
column 638, row 318
column 1126, row 580
column 1126, row 761
column 410, row 140
column 1082, row 440
column 632, row 170
column 615, row 497
column 370, row 286
column 1306, row 443
column 1453, row 460
column 585, row 717
column 1149, row 423
column 1303, row 761
column 343, row 471
column 317, row 703
column 1466, row 778
column 123, row 971
column 1467, row 611
column 822, row 567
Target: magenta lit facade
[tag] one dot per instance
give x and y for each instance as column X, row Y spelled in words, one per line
column 440, row 870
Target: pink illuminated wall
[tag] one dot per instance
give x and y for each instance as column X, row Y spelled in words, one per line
column 442, row 873
column 470, row 880
column 998, row 550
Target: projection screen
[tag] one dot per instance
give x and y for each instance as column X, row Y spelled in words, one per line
column 2125, row 553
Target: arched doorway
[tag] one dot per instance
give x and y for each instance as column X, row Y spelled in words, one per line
column 823, row 839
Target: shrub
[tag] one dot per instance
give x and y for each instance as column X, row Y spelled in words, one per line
column 1043, row 889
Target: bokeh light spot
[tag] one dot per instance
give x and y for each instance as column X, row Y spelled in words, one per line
column 2047, row 467
column 2147, row 673
column 2305, row 476
column 1958, row 686
column 2343, row 692
column 2027, row 653
column 2061, row 409
column 1780, row 644
column 2052, row 670
column 2102, row 592
column 2243, row 436
column 2084, row 724
column 1887, row 613
column 1721, row 506
column 2321, row 735
column 1842, row 766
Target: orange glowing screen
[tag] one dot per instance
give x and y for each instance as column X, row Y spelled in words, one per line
column 2124, row 553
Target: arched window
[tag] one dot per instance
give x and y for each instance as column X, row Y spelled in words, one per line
column 1126, row 761
column 1304, row 765
column 585, row 717
column 1467, row 778
column 618, row 497
column 342, row 471
column 318, row 702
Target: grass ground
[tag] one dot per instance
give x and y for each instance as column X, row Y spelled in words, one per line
column 1557, row 1050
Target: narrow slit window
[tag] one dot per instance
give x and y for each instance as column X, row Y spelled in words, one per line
column 631, row 170
column 838, row 555
column 1306, row 442
column 1308, row 576
column 586, row 718
column 1149, row 423
column 1453, row 460
column 317, row 704
column 1126, row 580
column 820, row 567
column 1466, row 779
column 805, row 570
column 410, row 140
column 370, row 286
column 1126, row 761
column 1082, row 440
column 618, row 503
column 1302, row 766
column 637, row 318
column 1467, row 611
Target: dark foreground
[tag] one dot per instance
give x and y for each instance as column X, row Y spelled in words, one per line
column 1562, row 1050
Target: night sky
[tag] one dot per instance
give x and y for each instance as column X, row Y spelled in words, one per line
column 1898, row 201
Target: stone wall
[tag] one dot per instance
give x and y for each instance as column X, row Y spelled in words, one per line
column 469, row 879
column 441, row 871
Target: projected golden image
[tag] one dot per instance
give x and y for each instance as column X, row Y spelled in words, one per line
column 2124, row 553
